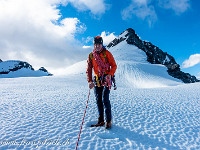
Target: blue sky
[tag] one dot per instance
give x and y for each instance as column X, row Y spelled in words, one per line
column 53, row 30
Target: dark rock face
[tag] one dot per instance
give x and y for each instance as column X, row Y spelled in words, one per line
column 4, row 72
column 21, row 65
column 45, row 70
column 155, row 55
column 14, row 65
column 0, row 60
column 18, row 65
column 115, row 42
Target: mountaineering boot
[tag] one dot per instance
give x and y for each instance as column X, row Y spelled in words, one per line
column 108, row 125
column 99, row 124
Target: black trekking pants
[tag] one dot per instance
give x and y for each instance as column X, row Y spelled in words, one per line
column 102, row 100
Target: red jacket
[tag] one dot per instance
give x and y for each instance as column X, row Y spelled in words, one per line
column 92, row 64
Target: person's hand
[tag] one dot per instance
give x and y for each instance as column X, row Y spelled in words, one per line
column 91, row 84
column 108, row 81
column 108, row 77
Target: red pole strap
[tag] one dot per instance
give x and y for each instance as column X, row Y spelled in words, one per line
column 82, row 121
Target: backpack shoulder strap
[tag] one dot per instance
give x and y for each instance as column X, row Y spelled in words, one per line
column 91, row 56
column 104, row 54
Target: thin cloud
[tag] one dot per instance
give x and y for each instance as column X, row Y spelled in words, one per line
column 88, row 39
column 107, row 37
column 145, row 9
column 178, row 6
column 192, row 61
column 97, row 7
column 141, row 9
column 86, row 46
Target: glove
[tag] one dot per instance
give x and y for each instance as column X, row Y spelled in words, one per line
column 91, row 84
column 108, row 81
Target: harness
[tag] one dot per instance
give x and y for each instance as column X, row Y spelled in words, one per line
column 104, row 55
column 99, row 81
column 100, row 77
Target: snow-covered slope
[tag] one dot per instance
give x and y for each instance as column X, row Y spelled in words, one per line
column 135, row 71
column 77, row 68
column 47, row 112
column 15, row 68
column 154, row 55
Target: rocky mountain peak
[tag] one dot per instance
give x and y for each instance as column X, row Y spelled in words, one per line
column 154, row 55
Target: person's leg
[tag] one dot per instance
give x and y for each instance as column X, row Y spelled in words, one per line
column 98, row 94
column 106, row 103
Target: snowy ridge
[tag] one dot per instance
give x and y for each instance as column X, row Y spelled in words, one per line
column 7, row 66
column 16, row 68
column 77, row 68
column 134, row 70
column 154, row 55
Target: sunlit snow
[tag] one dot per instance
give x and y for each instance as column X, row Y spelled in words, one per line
column 150, row 109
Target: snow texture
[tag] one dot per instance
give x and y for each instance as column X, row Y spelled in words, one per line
column 135, row 71
column 150, row 109
column 51, row 109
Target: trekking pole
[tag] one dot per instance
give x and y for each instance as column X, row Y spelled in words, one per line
column 82, row 121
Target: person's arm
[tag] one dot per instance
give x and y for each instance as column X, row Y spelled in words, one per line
column 89, row 69
column 112, row 63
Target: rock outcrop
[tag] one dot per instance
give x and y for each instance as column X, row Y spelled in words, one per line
column 45, row 70
column 9, row 66
column 154, row 55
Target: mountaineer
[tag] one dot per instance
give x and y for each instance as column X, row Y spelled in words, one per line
column 104, row 66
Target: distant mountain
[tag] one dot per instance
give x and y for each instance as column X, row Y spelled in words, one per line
column 154, row 55
column 139, row 65
column 16, row 68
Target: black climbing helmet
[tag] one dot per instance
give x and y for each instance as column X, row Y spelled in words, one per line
column 98, row 40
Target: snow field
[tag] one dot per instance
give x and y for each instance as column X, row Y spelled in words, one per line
column 150, row 109
column 52, row 108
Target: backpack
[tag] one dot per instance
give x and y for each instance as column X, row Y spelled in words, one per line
column 104, row 55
